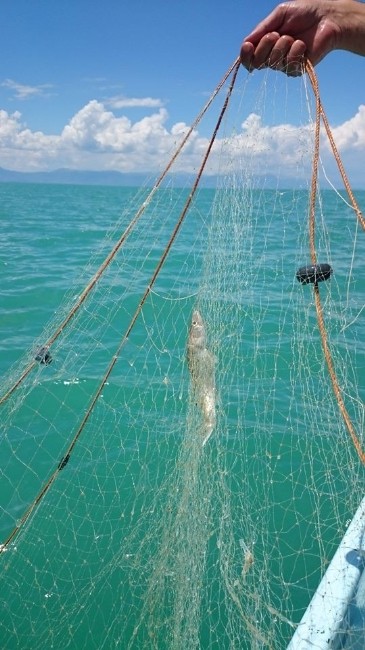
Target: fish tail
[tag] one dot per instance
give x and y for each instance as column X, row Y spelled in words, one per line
column 207, row 433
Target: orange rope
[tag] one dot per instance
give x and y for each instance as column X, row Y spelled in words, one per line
column 320, row 112
column 313, row 194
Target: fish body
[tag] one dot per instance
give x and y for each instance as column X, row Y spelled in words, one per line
column 201, row 363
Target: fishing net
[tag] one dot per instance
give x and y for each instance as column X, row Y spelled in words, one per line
column 119, row 527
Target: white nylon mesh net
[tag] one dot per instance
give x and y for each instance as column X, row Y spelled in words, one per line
column 146, row 539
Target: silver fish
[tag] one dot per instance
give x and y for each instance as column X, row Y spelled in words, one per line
column 201, row 364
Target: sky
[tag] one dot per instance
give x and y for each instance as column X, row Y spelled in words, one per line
column 113, row 84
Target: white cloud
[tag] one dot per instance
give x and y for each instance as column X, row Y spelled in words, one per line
column 21, row 91
column 134, row 102
column 282, row 146
column 351, row 134
column 96, row 138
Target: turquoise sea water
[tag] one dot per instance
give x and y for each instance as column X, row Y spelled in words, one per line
column 48, row 234
column 52, row 241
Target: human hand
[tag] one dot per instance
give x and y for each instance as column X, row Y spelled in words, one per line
column 292, row 32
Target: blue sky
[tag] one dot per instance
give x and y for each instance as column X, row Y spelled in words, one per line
column 80, row 78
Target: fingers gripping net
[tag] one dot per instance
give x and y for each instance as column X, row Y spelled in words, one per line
column 120, row 528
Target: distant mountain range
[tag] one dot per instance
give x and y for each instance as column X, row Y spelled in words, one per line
column 83, row 177
column 73, row 177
